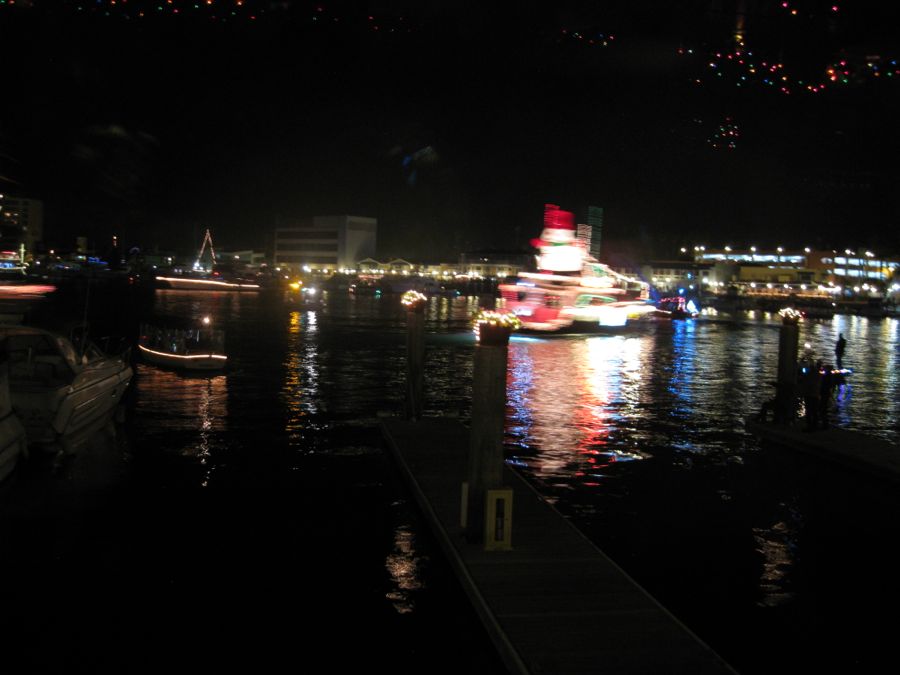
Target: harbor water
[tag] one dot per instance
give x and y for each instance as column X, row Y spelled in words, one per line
column 252, row 516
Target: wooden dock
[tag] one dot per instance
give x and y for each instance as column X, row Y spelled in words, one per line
column 851, row 449
column 554, row 603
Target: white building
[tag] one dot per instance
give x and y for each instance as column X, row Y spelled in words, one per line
column 327, row 243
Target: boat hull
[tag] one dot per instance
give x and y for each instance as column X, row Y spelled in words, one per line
column 59, row 395
column 50, row 415
column 197, row 284
column 189, row 362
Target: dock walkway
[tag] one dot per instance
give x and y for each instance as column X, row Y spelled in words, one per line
column 851, row 449
column 555, row 603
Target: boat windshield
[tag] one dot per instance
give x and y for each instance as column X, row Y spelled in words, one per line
column 68, row 351
column 40, row 356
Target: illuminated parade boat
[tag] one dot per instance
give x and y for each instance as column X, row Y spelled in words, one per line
column 60, row 394
column 183, row 346
column 206, row 283
column 218, row 278
column 573, row 292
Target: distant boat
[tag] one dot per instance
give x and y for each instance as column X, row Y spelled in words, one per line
column 61, row 395
column 206, row 282
column 303, row 296
column 220, row 277
column 678, row 307
column 183, row 345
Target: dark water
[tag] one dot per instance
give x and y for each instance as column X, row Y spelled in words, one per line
column 253, row 517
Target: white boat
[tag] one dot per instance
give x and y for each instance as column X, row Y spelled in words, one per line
column 12, row 434
column 61, row 395
column 571, row 291
column 181, row 345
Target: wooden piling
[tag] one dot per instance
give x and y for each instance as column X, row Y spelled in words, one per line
column 786, row 385
column 485, row 465
column 415, row 360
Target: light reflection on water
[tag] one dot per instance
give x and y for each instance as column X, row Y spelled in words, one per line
column 403, row 564
column 300, row 390
column 676, row 397
column 637, row 437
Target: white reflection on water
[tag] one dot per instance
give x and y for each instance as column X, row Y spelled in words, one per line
column 403, row 564
column 776, row 567
column 183, row 403
column 777, row 544
column 300, row 387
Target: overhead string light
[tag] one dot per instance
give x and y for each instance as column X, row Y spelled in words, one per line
column 588, row 37
column 743, row 69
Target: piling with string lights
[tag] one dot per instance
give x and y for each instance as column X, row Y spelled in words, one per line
column 486, row 504
column 786, row 385
column 415, row 302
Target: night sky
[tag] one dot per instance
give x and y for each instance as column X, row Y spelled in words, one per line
column 454, row 122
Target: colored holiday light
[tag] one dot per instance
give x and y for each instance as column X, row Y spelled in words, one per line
column 725, row 136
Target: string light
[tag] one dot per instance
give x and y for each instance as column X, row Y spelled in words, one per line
column 494, row 319
column 412, row 299
column 790, row 315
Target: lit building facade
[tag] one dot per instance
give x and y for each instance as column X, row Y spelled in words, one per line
column 804, row 266
column 671, row 275
column 21, row 224
column 325, row 244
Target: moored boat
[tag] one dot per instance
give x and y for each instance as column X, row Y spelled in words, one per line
column 61, row 395
column 183, row 345
column 12, row 434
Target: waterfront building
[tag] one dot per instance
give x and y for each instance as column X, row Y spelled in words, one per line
column 21, row 224
column 672, row 275
column 802, row 266
column 325, row 243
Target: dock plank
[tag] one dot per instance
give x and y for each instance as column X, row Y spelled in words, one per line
column 851, row 449
column 555, row 603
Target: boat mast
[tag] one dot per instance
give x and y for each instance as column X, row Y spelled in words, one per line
column 206, row 238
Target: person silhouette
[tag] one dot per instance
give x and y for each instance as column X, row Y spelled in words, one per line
column 839, row 351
